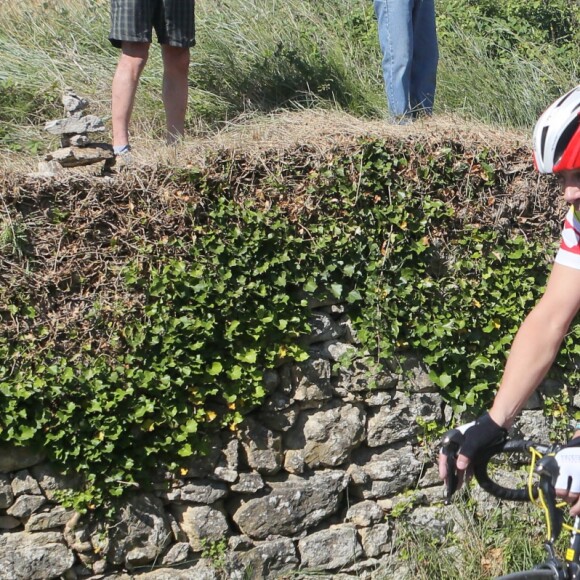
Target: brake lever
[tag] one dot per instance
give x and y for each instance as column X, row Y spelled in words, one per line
column 452, row 441
column 548, row 470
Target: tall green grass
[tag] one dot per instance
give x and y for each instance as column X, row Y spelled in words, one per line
column 484, row 543
column 256, row 56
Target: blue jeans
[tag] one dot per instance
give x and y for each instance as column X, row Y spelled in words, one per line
column 408, row 39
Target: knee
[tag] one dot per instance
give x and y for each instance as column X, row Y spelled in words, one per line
column 134, row 57
column 176, row 60
column 134, row 65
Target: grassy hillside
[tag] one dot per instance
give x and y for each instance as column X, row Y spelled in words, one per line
column 499, row 64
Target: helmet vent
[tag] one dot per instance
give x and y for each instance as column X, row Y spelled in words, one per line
column 543, row 140
column 565, row 139
column 564, row 99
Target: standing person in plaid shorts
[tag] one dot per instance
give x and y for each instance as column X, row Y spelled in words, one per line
column 132, row 23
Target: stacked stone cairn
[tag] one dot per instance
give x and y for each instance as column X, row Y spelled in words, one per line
column 76, row 148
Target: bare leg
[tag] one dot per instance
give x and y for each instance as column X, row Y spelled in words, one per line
column 175, row 86
column 131, row 64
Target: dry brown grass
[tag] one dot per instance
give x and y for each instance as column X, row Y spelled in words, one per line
column 274, row 134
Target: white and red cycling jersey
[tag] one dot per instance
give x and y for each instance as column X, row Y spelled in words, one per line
column 569, row 252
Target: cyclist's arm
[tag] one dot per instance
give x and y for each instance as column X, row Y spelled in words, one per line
column 537, row 343
column 533, row 351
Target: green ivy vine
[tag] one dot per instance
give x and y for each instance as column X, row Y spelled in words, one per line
column 206, row 312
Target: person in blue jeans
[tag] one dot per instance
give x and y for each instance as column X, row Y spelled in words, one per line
column 408, row 39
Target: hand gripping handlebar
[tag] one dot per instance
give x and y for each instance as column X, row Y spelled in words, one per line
column 546, row 468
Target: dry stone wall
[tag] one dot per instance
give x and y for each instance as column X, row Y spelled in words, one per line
column 309, row 482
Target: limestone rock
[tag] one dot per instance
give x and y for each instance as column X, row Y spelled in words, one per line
column 263, row 448
column 203, row 491
column 9, row 523
column 532, row 425
column 142, row 533
column 323, row 328
column 202, row 570
column 201, row 523
column 278, row 412
column 55, row 517
column 24, row 483
column 389, row 472
column 73, row 103
column 269, row 559
column 329, row 435
column 75, row 141
column 311, row 380
column 14, row 458
column 294, row 461
column 229, row 460
column 48, row 169
column 6, row 493
column 177, row 554
column 225, row 474
column 278, row 420
column 37, row 556
column 376, row 540
column 292, row 506
column 330, row 549
column 75, row 125
column 248, row 483
column 416, row 375
column 25, row 505
column 363, row 376
column 432, row 520
column 398, row 421
column 52, row 481
column 364, row 514
column 337, row 351
column 79, row 156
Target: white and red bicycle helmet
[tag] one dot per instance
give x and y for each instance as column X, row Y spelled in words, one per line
column 557, row 135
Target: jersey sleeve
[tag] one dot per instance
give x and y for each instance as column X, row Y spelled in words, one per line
column 569, row 252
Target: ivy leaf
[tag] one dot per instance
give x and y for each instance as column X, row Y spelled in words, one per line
column 215, row 369
column 443, row 380
column 249, row 356
column 353, row 296
column 26, row 432
column 336, row 290
column 185, row 451
column 310, row 285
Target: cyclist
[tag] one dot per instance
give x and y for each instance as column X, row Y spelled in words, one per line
column 556, row 147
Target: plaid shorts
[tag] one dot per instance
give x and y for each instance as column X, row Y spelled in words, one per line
column 134, row 21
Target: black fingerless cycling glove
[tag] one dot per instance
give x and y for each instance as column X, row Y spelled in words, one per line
column 483, row 434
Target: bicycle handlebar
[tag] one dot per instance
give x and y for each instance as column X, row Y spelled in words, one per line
column 546, row 468
column 452, row 442
column 480, row 470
